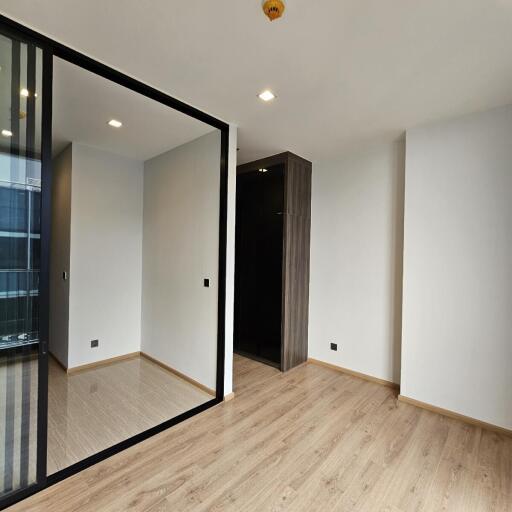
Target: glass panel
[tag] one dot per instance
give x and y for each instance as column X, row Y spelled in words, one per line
column 20, row 192
column 134, row 265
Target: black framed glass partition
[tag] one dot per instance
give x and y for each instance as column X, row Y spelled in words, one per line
column 20, row 231
column 135, row 209
column 133, row 184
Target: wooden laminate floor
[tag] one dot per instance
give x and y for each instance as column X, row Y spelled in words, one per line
column 99, row 407
column 309, row 440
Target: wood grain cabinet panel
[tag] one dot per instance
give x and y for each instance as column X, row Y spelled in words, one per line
column 286, row 236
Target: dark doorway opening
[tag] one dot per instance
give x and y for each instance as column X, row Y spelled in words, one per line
column 258, row 267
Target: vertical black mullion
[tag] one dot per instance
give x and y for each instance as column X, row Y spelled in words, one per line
column 31, row 104
column 25, row 417
column 44, row 272
column 221, row 307
column 30, row 158
column 15, row 165
column 10, row 385
column 10, row 394
column 26, row 361
column 15, row 108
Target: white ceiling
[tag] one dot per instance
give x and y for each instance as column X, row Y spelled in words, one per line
column 83, row 103
column 346, row 72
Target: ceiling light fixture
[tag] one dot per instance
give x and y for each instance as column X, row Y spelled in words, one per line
column 115, row 123
column 266, row 95
column 7, row 133
column 24, row 92
column 263, row 170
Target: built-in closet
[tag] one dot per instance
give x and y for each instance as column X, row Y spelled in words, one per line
column 273, row 219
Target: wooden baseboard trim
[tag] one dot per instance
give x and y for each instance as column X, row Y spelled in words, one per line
column 353, row 373
column 454, row 415
column 202, row 387
column 103, row 362
column 229, row 397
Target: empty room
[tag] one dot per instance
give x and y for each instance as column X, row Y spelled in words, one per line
column 256, row 256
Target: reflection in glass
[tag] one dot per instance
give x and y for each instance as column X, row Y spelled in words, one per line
column 20, row 200
column 135, row 231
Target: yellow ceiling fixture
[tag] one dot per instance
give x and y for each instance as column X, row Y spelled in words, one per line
column 273, row 9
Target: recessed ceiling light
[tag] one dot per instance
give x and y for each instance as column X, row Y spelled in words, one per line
column 7, row 133
column 263, row 170
column 24, row 92
column 266, row 95
column 115, row 123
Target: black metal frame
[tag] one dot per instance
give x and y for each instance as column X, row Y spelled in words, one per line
column 50, row 49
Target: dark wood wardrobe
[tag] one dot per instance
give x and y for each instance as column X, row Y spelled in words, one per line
column 273, row 224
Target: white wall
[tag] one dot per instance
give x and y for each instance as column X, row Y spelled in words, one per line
column 230, row 261
column 356, row 261
column 106, row 255
column 457, row 322
column 106, row 217
column 180, row 249
column 59, row 257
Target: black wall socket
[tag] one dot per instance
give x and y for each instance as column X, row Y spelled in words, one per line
column 334, row 346
column 95, row 343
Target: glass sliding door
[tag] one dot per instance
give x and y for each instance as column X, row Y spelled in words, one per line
column 137, row 341
column 20, row 204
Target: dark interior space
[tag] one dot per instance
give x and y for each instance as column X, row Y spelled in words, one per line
column 258, row 267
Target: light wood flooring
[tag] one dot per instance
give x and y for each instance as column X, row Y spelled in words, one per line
column 309, row 440
column 99, row 407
